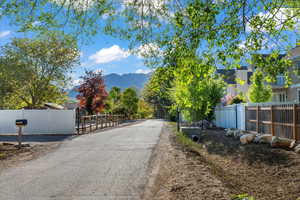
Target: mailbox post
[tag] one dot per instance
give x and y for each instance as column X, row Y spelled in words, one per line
column 20, row 123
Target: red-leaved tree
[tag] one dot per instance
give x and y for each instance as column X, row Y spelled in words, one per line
column 92, row 93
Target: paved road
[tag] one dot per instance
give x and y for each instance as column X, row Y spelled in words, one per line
column 107, row 165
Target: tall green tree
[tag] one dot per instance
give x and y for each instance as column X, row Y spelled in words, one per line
column 130, row 102
column 144, row 109
column 259, row 91
column 157, row 91
column 34, row 71
column 197, row 90
column 114, row 99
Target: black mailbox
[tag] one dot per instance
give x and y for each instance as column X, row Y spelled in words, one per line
column 21, row 122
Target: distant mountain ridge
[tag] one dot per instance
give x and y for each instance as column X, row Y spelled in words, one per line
column 123, row 81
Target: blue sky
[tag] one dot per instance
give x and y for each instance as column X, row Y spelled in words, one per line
column 103, row 52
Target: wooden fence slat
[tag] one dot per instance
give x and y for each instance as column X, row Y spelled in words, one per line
column 294, row 122
column 272, row 120
column 278, row 120
column 257, row 119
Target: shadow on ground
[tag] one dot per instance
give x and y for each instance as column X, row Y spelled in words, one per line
column 35, row 138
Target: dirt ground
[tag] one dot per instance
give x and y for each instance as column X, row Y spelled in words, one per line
column 220, row 167
column 10, row 155
column 178, row 173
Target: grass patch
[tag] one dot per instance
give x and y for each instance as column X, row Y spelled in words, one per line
column 2, row 155
column 183, row 139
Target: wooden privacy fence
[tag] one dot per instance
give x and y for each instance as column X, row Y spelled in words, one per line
column 89, row 123
column 279, row 120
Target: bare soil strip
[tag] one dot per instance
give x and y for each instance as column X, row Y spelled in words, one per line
column 11, row 156
column 177, row 173
column 220, row 167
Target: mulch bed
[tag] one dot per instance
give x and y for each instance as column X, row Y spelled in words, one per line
column 257, row 169
column 179, row 174
column 219, row 167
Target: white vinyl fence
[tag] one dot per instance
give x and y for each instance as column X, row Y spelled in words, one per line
column 39, row 121
column 232, row 116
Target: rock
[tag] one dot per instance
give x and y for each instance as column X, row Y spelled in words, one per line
column 247, row 138
column 297, row 149
column 265, row 138
column 282, row 142
column 239, row 133
column 230, row 132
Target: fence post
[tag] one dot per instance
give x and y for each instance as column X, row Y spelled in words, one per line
column 97, row 121
column 91, row 119
column 257, row 119
column 272, row 121
column 84, row 125
column 294, row 122
column 78, row 120
column 236, row 116
column 105, row 120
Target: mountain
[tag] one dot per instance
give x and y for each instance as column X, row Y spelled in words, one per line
column 126, row 80
column 136, row 80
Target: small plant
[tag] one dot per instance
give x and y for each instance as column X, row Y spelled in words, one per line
column 242, row 197
column 240, row 98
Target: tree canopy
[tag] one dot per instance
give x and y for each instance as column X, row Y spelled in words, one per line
column 92, row 93
column 130, row 102
column 34, row 71
column 157, row 91
column 189, row 38
column 258, row 91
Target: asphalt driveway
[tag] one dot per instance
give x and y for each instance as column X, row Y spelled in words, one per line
column 107, row 165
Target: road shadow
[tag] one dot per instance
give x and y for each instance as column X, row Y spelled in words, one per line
column 36, row 138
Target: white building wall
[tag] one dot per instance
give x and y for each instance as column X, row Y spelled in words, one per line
column 39, row 121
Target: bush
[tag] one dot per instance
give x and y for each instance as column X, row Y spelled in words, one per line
column 237, row 99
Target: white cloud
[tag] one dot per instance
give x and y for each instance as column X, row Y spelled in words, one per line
column 4, row 33
column 147, row 50
column 279, row 16
column 145, row 7
column 143, row 71
column 80, row 5
column 76, row 82
column 106, row 55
